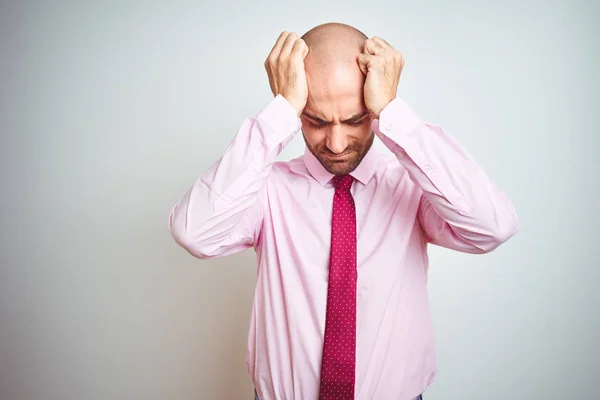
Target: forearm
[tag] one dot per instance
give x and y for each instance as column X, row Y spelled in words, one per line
column 462, row 207
column 221, row 212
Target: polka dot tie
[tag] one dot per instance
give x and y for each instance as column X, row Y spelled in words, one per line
column 339, row 349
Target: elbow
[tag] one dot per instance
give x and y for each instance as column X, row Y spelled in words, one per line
column 499, row 233
column 194, row 248
column 189, row 242
column 503, row 234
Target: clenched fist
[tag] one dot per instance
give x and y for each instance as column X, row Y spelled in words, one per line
column 285, row 68
column 382, row 65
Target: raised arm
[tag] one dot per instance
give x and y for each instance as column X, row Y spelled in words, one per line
column 461, row 208
column 221, row 213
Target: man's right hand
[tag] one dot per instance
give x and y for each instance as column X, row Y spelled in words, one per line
column 285, row 68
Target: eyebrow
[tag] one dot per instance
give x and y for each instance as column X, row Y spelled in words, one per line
column 353, row 119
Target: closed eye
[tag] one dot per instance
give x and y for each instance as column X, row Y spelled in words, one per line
column 316, row 126
column 357, row 123
column 321, row 126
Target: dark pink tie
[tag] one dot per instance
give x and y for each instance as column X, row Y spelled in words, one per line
column 339, row 349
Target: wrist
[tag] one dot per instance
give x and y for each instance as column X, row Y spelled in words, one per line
column 298, row 105
column 376, row 111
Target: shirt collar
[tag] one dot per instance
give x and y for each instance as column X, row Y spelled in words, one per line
column 363, row 173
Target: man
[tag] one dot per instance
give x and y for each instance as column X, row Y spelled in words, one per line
column 341, row 234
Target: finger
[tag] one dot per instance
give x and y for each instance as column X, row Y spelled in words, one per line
column 381, row 42
column 364, row 61
column 300, row 48
column 289, row 44
column 372, row 47
column 279, row 44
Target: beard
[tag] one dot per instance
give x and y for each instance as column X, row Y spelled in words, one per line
column 353, row 155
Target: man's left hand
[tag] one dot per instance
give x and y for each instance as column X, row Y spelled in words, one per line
column 382, row 65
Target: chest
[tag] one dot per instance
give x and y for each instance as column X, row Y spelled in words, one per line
column 299, row 213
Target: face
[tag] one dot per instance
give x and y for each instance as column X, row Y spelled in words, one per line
column 335, row 122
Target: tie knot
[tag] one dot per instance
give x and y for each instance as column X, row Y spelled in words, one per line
column 342, row 182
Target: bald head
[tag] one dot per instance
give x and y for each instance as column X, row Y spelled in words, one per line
column 331, row 65
column 333, row 45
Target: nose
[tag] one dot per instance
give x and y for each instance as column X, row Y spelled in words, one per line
column 336, row 141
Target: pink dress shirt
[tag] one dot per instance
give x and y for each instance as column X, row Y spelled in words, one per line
column 429, row 190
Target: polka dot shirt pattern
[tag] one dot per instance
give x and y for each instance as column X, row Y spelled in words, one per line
column 339, row 349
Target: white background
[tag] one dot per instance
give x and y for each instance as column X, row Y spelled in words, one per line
column 108, row 113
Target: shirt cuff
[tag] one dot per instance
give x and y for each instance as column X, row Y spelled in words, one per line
column 281, row 117
column 396, row 124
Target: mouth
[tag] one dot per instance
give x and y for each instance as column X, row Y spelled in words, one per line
column 337, row 156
